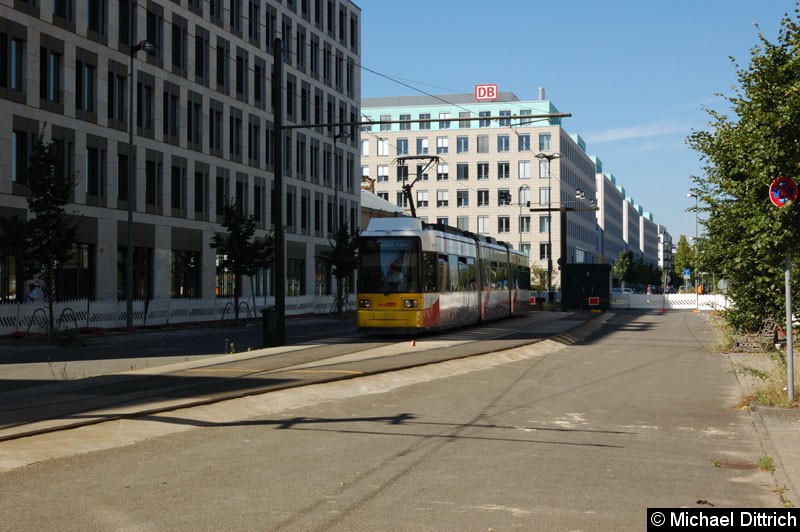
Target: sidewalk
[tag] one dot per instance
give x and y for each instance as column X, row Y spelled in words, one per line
column 778, row 430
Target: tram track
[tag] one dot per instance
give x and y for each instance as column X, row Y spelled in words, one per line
column 205, row 382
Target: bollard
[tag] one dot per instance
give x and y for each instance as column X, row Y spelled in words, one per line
column 269, row 327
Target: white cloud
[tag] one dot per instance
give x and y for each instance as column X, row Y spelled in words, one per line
column 637, row 132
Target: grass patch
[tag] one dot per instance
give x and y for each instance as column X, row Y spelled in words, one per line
column 766, row 463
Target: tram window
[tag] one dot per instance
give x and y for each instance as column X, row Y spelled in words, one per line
column 456, row 285
column 443, row 268
column 388, row 265
column 429, row 272
column 468, row 273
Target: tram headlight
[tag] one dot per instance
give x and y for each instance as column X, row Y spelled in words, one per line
column 410, row 303
column 364, row 303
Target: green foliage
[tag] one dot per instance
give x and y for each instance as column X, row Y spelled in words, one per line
column 342, row 258
column 622, row 266
column 239, row 250
column 747, row 238
column 50, row 233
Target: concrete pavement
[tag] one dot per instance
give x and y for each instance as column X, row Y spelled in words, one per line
column 777, row 429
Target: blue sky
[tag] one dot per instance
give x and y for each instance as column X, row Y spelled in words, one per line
column 635, row 75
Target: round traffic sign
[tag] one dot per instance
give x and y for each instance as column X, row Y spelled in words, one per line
column 782, row 191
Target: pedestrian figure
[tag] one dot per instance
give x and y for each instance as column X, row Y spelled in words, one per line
column 31, row 296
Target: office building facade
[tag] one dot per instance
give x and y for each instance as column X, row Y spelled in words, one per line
column 203, row 134
column 501, row 168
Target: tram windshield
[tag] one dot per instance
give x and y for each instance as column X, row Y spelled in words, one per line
column 388, row 264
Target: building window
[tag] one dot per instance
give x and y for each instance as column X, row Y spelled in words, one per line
column 483, row 225
column 544, row 195
column 422, row 198
column 462, row 171
column 462, row 198
column 544, row 141
column 116, row 97
column 365, row 148
column 503, row 143
column 180, row 39
column 503, row 197
column 544, row 251
column 145, row 112
column 383, row 147
column 444, row 120
column 405, row 126
column 11, row 62
column 503, row 170
column 422, row 175
column 186, row 267
column 443, row 220
column 442, row 198
column 385, row 126
column 402, row 172
column 222, row 65
column 50, row 74
column 483, row 198
column 483, row 144
column 464, row 115
column 442, row 172
column 544, row 223
column 525, row 224
column 383, row 173
column 194, row 121
column 484, row 122
column 402, row 147
column 462, row 222
column 524, row 168
column 96, row 16
column 483, row 171
column 171, row 118
column 402, row 200
column 524, row 143
column 505, row 122
column 84, row 86
column 422, row 146
column 503, row 224
column 462, row 144
column 425, row 124
column 177, row 187
column 202, row 47
column 442, row 145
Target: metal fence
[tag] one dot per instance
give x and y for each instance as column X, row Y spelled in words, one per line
column 670, row 302
column 87, row 314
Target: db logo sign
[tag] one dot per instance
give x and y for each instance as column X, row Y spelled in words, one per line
column 486, row 92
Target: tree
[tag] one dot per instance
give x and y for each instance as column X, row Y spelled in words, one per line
column 747, row 238
column 623, row 266
column 51, row 233
column 240, row 251
column 684, row 257
column 342, row 258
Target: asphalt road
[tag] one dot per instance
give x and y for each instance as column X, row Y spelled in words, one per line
column 583, row 437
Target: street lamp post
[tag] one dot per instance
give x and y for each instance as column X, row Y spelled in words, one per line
column 697, row 292
column 147, row 47
column 519, row 219
column 340, row 135
column 549, row 158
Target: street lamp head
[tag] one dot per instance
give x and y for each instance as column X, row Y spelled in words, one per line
column 549, row 157
column 690, row 195
column 147, row 46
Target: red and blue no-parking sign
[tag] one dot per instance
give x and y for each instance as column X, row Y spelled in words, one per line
column 783, row 191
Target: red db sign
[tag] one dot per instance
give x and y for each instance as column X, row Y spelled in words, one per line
column 486, row 92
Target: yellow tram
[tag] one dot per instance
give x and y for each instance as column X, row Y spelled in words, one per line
column 416, row 277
